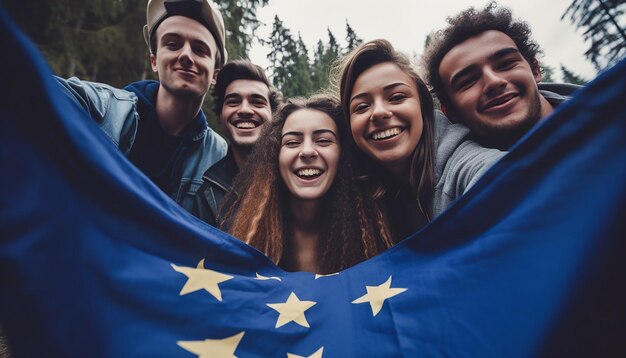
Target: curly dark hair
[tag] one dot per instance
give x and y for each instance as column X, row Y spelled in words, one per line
column 241, row 70
column 470, row 23
column 372, row 175
column 257, row 211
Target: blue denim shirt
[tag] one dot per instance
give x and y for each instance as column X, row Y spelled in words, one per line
column 116, row 112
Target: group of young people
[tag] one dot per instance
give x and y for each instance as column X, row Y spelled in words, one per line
column 322, row 183
column 319, row 184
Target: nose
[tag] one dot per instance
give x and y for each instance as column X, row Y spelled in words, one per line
column 379, row 111
column 185, row 56
column 308, row 151
column 493, row 82
column 244, row 109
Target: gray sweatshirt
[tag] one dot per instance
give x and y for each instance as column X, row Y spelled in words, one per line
column 459, row 162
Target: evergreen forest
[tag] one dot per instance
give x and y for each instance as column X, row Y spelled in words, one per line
column 101, row 40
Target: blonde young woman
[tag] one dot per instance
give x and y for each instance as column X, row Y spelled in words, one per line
column 295, row 199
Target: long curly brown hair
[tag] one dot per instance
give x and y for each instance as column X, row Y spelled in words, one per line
column 258, row 210
column 375, row 180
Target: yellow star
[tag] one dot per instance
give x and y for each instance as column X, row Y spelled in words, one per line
column 317, row 354
column 263, row 278
column 330, row 274
column 200, row 278
column 292, row 310
column 220, row 348
column 376, row 295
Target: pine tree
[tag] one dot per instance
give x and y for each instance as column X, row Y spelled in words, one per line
column 547, row 74
column 241, row 24
column 96, row 40
column 317, row 68
column 428, row 39
column 352, row 39
column 330, row 54
column 302, row 83
column 102, row 40
column 571, row 77
column 282, row 56
column 601, row 20
column 117, row 43
column 332, row 51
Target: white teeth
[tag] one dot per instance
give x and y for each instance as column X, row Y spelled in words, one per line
column 386, row 133
column 308, row 172
column 246, row 125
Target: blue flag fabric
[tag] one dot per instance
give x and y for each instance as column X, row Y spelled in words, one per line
column 96, row 262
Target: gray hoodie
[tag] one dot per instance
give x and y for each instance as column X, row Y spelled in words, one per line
column 459, row 162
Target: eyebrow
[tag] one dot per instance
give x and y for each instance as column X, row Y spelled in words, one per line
column 315, row 132
column 494, row 56
column 253, row 95
column 387, row 87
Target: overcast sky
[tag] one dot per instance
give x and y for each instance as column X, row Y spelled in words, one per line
column 407, row 22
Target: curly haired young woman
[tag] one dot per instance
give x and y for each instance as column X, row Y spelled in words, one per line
column 296, row 201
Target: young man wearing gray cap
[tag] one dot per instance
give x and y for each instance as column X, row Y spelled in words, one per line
column 159, row 125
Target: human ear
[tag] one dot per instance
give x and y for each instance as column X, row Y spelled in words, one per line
column 536, row 68
column 153, row 62
column 450, row 113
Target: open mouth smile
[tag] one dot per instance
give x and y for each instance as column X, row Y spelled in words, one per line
column 245, row 124
column 308, row 173
column 386, row 134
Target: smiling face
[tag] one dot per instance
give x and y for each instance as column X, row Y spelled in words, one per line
column 385, row 116
column 493, row 89
column 185, row 56
column 245, row 111
column 309, row 154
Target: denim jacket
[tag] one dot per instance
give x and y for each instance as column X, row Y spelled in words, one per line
column 218, row 182
column 116, row 112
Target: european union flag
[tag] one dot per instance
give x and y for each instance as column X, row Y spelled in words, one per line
column 96, row 262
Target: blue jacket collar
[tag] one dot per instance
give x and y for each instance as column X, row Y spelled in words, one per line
column 146, row 91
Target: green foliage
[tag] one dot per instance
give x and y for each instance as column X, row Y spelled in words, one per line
column 319, row 70
column 301, row 75
column 282, row 57
column 352, row 39
column 293, row 72
column 601, row 21
column 571, row 77
column 331, row 53
column 241, row 24
column 98, row 40
column 547, row 74
column 428, row 39
column 102, row 40
column 332, row 50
